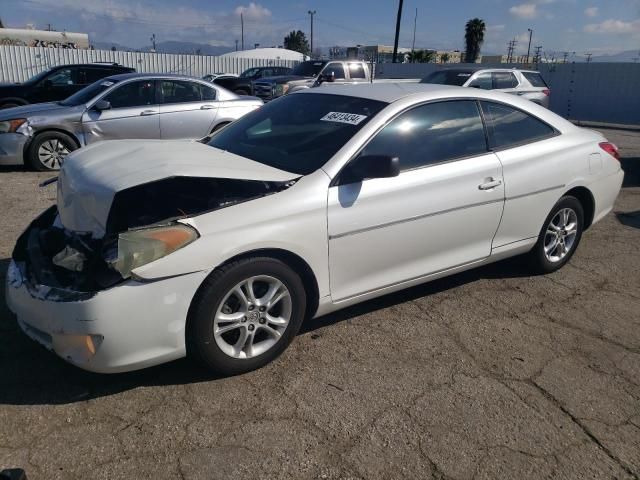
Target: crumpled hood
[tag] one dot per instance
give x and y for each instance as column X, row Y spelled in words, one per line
column 91, row 176
column 27, row 111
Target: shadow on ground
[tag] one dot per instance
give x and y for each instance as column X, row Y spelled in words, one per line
column 631, row 167
column 31, row 375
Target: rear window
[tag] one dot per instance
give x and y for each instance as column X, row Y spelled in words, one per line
column 535, row 79
column 297, row 133
column 448, row 77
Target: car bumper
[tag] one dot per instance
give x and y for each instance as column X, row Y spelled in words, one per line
column 605, row 192
column 11, row 148
column 130, row 326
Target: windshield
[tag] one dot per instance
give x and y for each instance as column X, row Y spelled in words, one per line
column 448, row 77
column 249, row 73
column 38, row 76
column 298, row 133
column 308, row 69
column 87, row 93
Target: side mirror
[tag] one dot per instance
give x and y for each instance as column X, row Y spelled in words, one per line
column 370, row 166
column 327, row 77
column 101, row 105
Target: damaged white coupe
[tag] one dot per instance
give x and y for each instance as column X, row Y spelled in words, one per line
column 220, row 248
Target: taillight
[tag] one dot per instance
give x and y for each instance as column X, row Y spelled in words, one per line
column 611, row 149
column 546, row 91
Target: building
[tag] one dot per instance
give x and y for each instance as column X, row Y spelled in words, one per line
column 448, row 56
column 268, row 53
column 376, row 53
column 27, row 37
column 493, row 59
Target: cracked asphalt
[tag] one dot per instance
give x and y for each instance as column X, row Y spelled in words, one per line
column 488, row 374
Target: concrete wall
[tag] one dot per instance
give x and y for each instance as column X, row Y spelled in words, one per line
column 592, row 92
column 17, row 64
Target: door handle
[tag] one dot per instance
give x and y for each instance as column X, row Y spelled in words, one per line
column 207, row 107
column 148, row 112
column 490, row 184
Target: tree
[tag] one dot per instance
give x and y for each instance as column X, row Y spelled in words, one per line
column 422, row 56
column 445, row 57
column 297, row 41
column 473, row 38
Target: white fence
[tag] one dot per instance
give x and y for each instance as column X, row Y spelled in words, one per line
column 18, row 64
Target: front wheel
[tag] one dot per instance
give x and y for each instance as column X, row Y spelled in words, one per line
column 245, row 315
column 559, row 237
column 48, row 150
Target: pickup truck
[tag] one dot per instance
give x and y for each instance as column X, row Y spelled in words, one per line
column 312, row 73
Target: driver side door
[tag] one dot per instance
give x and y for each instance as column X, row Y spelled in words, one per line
column 134, row 113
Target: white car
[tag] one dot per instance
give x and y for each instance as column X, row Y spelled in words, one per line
column 319, row 200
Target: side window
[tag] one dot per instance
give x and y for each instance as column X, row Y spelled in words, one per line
column 95, row 74
column 208, row 93
column 482, row 81
column 336, row 68
column 504, row 80
column 63, row 76
column 510, row 127
column 133, row 94
column 179, row 91
column 432, row 133
column 535, row 79
column 356, row 70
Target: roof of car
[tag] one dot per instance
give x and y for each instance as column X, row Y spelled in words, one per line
column 126, row 76
column 477, row 68
column 387, row 92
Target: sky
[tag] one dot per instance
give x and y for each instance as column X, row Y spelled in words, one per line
column 581, row 26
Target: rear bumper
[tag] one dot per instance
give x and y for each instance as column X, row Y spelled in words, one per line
column 605, row 191
column 127, row 327
column 12, row 147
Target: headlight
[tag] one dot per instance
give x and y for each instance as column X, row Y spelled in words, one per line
column 139, row 247
column 11, row 126
column 282, row 89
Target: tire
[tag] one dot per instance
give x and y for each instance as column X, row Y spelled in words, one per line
column 241, row 92
column 247, row 342
column 549, row 254
column 54, row 144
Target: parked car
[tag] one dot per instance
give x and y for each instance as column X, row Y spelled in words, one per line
column 242, row 85
column 323, row 199
column 134, row 105
column 57, row 83
column 527, row 84
column 310, row 74
column 210, row 77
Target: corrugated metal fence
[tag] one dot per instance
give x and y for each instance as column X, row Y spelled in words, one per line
column 594, row 92
column 17, row 64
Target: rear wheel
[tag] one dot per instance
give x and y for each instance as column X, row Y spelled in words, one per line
column 48, row 150
column 245, row 315
column 559, row 237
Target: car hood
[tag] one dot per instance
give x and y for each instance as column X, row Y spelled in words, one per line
column 92, row 176
column 26, row 111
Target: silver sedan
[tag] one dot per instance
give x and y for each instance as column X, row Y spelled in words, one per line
column 128, row 106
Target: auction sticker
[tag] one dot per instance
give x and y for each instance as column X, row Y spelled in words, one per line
column 341, row 117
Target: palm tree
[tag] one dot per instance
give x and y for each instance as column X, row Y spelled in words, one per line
column 473, row 37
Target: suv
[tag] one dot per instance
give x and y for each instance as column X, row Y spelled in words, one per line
column 528, row 84
column 242, row 85
column 311, row 74
column 57, row 83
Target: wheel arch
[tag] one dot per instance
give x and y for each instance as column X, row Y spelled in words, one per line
column 58, row 130
column 586, row 199
column 17, row 100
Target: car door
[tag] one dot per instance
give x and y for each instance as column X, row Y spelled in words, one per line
column 442, row 211
column 134, row 113
column 187, row 109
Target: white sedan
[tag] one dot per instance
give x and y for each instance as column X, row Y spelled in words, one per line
column 219, row 249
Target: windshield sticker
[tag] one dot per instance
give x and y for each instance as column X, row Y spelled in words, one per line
column 341, row 117
column 106, row 83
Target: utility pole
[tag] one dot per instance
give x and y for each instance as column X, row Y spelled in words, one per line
column 529, row 49
column 242, row 30
column 48, row 27
column 537, row 57
column 415, row 23
column 512, row 48
column 312, row 13
column 395, row 43
column 236, row 44
column 153, row 41
column 589, row 55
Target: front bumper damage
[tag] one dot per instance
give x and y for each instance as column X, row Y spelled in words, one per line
column 124, row 326
column 12, row 147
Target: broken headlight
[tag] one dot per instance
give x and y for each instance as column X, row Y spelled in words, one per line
column 139, row 247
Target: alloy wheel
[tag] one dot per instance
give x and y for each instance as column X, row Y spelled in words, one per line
column 560, row 235
column 52, row 152
column 252, row 317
